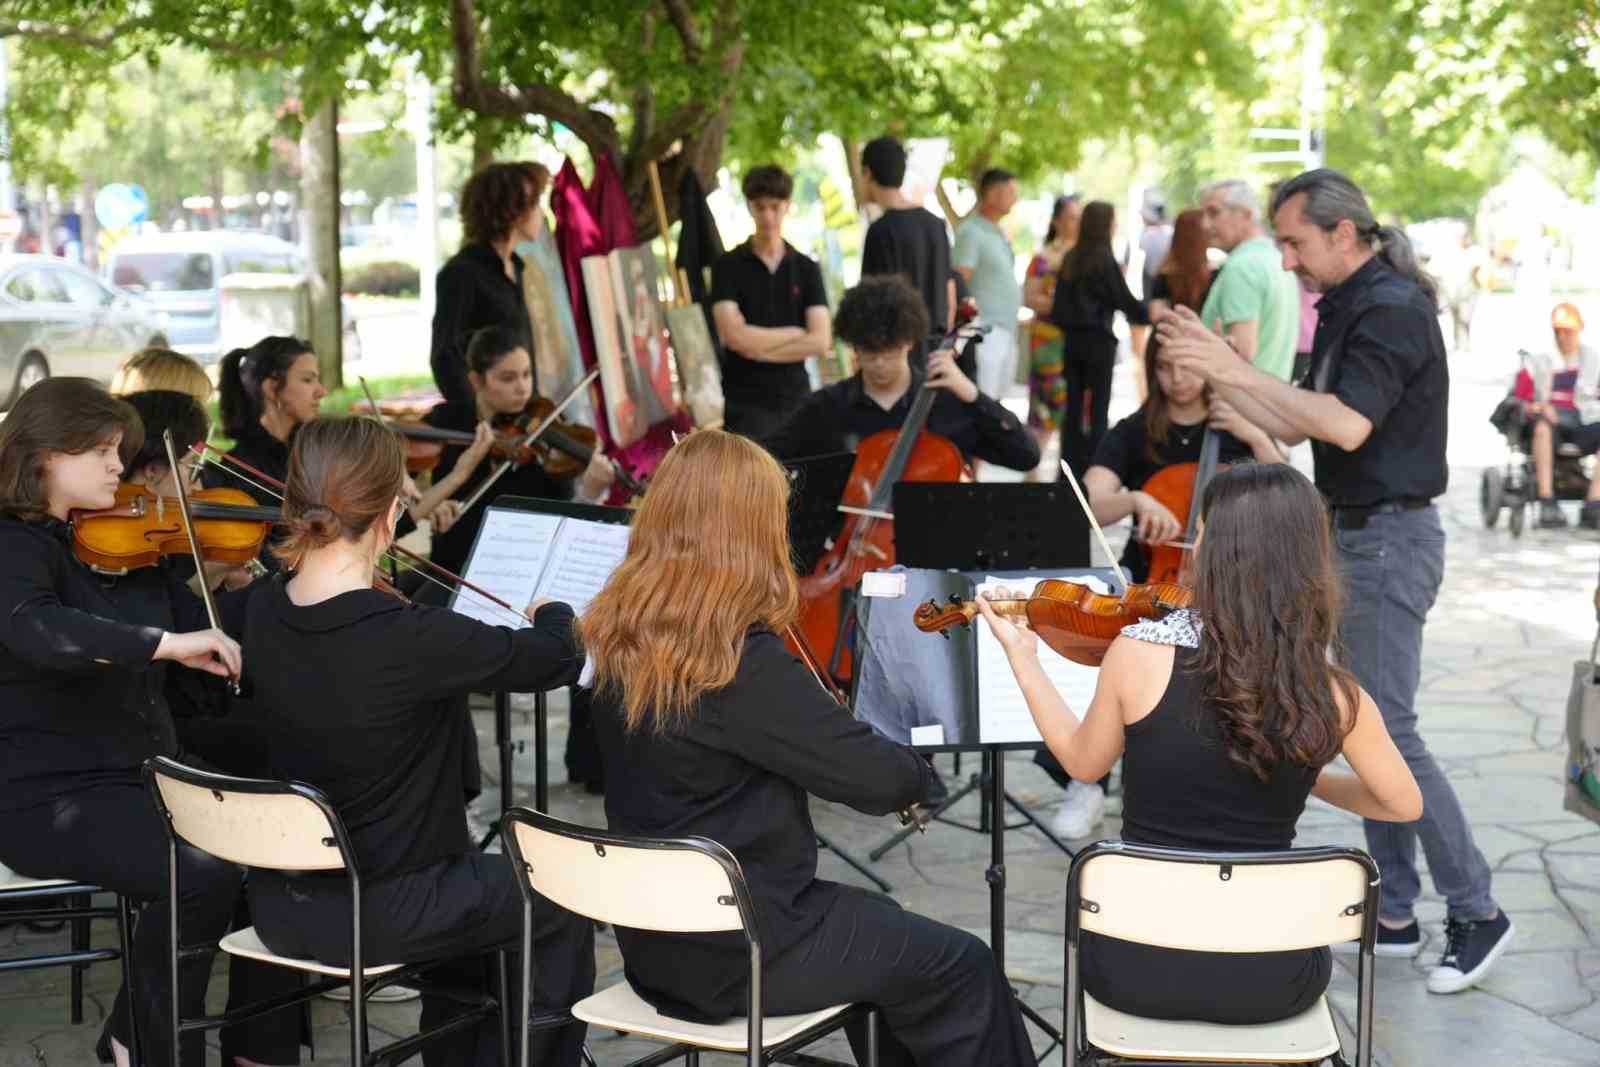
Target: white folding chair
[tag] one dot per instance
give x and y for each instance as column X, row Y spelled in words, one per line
column 1218, row 902
column 68, row 901
column 670, row 885
column 288, row 826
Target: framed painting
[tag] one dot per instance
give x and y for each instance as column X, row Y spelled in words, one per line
column 698, row 372
column 624, row 414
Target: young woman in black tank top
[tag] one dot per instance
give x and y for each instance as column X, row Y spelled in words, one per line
column 1226, row 718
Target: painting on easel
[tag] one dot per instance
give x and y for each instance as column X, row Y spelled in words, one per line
column 643, row 327
column 698, row 372
column 619, row 379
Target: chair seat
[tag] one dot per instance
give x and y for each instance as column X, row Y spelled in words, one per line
column 245, row 943
column 11, row 881
column 1304, row 1038
column 620, row 1008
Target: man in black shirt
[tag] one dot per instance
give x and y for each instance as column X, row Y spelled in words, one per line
column 771, row 312
column 906, row 239
column 880, row 319
column 1375, row 411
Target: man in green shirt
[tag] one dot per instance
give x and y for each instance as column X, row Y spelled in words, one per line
column 984, row 257
column 1254, row 300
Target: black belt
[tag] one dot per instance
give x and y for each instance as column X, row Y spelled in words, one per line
column 1356, row 518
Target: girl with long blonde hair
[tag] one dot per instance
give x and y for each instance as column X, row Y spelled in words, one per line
column 709, row 726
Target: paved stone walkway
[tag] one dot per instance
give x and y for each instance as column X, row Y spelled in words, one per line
column 1511, row 618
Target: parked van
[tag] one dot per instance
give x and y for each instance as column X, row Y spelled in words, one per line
column 181, row 274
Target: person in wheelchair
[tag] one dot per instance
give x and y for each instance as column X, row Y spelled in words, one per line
column 1560, row 397
column 1226, row 717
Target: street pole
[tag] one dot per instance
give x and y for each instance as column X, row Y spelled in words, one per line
column 8, row 191
column 420, row 104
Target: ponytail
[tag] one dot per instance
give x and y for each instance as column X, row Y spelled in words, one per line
column 239, row 410
column 1394, row 248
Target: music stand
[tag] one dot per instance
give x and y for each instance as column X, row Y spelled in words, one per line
column 503, row 739
column 984, row 526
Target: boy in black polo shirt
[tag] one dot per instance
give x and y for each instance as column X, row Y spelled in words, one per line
column 881, row 319
column 771, row 313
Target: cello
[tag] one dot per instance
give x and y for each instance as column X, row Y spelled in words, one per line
column 1180, row 489
column 866, row 541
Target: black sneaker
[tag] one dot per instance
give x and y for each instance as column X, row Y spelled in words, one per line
column 1550, row 516
column 1470, row 949
column 1403, row 943
column 1589, row 517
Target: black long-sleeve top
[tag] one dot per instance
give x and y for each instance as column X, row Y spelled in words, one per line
column 1089, row 301
column 80, row 699
column 361, row 693
column 838, row 417
column 740, row 773
column 451, row 548
column 471, row 291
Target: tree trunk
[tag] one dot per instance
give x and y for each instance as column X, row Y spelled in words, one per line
column 90, row 224
column 319, row 202
column 952, row 216
column 215, row 222
column 852, row 162
column 485, row 139
column 47, row 222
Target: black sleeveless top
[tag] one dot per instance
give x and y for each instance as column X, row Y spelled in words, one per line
column 1180, row 789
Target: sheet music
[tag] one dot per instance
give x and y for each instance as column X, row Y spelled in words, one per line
column 508, row 560
column 581, row 560
column 1003, row 716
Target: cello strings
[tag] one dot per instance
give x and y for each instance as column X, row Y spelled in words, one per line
column 388, row 555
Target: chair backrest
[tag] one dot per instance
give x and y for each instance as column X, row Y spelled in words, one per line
column 1272, row 902
column 254, row 823
column 682, row 885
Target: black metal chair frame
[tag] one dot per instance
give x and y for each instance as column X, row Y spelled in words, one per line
column 1077, row 1051
column 79, row 910
column 599, row 839
column 361, row 987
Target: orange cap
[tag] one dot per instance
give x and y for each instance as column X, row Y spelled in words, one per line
column 1566, row 317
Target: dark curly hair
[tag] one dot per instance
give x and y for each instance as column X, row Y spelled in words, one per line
column 881, row 313
column 496, row 197
column 768, row 182
column 1270, row 610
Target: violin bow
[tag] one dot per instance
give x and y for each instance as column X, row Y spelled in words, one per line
column 274, row 487
column 532, row 436
column 194, row 542
column 1094, row 524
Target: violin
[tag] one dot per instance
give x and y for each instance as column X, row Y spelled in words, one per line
column 141, row 527
column 866, row 541
column 1072, row 619
column 563, row 450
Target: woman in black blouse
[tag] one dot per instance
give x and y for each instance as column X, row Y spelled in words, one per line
column 1090, row 290
column 83, row 705
column 267, row 392
column 710, row 727
column 481, row 285
column 1226, row 718
column 362, row 690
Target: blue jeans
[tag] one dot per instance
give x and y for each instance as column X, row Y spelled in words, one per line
column 1392, row 568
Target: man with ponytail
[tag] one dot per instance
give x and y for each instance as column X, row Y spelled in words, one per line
column 1375, row 409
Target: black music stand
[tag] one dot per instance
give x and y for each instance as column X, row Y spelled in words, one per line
column 507, row 744
column 817, row 484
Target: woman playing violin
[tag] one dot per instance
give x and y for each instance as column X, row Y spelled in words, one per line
column 710, row 727
column 1167, row 429
column 267, row 392
column 1226, row 717
column 500, row 371
column 82, row 706
column 363, row 690
column 880, row 320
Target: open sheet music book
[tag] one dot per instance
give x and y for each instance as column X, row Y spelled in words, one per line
column 521, row 555
column 957, row 692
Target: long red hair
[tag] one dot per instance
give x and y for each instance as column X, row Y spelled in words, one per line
column 1188, row 273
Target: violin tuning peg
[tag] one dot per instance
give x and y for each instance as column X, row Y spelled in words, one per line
column 955, row 598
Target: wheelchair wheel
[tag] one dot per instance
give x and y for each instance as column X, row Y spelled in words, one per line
column 1491, row 496
column 1514, row 520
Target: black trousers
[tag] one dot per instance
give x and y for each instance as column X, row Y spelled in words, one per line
column 108, row 834
column 759, row 417
column 1233, row 988
column 454, row 911
column 1088, row 358
column 941, row 998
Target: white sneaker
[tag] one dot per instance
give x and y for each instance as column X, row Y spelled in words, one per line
column 389, row 994
column 1080, row 813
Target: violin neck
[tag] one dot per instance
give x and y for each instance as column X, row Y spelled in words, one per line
column 424, row 432
column 235, row 512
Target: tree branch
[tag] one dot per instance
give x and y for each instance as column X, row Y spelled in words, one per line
column 123, row 34
column 683, row 21
column 596, row 129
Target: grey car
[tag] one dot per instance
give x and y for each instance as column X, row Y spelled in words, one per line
column 59, row 319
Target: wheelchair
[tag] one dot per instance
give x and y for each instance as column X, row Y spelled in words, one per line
column 1511, row 487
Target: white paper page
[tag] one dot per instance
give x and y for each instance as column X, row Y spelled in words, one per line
column 1003, row 716
column 508, row 561
column 581, row 560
